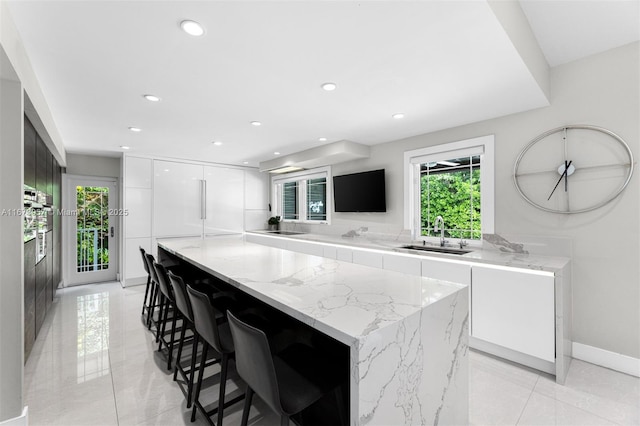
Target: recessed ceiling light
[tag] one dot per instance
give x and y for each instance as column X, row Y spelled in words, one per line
column 192, row 28
column 245, row 162
column 124, row 147
column 398, row 115
column 322, row 139
column 276, row 153
column 135, row 129
column 217, row 143
column 256, row 123
column 152, row 98
column 329, row 86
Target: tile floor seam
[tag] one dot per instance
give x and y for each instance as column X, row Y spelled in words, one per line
column 113, row 387
column 524, row 407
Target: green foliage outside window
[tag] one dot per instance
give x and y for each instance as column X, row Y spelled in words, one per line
column 92, row 205
column 454, row 195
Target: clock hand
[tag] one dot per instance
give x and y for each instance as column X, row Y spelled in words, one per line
column 566, row 168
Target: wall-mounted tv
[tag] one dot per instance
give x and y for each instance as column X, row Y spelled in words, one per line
column 360, row 192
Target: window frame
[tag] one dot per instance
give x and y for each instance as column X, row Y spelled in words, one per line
column 483, row 145
column 302, row 177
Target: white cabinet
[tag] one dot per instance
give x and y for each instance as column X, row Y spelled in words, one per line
column 367, row 258
column 177, row 199
column 344, row 254
column 514, row 308
column 192, row 200
column 330, row 252
column 305, row 247
column 224, row 200
column 448, row 271
column 400, row 263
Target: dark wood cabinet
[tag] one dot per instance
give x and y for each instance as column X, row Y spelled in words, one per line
column 42, row 172
column 41, row 165
column 29, row 154
column 29, row 296
column 41, row 293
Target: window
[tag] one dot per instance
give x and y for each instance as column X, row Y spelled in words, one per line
column 302, row 196
column 453, row 181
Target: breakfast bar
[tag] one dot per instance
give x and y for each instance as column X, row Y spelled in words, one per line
column 407, row 336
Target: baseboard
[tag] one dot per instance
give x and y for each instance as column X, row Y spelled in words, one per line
column 22, row 420
column 130, row 282
column 615, row 361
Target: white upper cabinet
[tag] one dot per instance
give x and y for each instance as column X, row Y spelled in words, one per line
column 177, row 199
column 138, row 172
column 224, row 200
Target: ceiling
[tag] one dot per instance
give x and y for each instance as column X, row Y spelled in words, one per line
column 441, row 63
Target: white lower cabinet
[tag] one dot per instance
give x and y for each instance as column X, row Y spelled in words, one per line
column 448, row 271
column 404, row 264
column 514, row 308
column 305, row 247
column 344, row 254
column 330, row 252
column 367, row 258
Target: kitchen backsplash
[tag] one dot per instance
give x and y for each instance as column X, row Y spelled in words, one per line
column 507, row 243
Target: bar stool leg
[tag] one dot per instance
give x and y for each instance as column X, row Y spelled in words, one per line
column 223, row 383
column 248, row 395
column 146, row 294
column 173, row 336
column 196, row 339
column 196, row 395
column 183, row 333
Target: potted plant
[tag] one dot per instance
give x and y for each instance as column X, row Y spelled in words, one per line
column 274, row 223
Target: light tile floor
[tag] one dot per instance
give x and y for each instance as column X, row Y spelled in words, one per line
column 94, row 363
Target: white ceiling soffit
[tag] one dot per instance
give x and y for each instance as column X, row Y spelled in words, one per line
column 570, row 30
column 441, row 63
column 332, row 153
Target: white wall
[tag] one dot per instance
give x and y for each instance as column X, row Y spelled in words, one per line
column 601, row 90
column 93, row 165
column 11, row 242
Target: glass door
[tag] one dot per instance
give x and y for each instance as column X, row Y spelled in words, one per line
column 91, row 230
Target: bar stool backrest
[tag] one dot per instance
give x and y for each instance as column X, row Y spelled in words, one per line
column 144, row 260
column 150, row 261
column 181, row 296
column 254, row 362
column 163, row 280
column 204, row 319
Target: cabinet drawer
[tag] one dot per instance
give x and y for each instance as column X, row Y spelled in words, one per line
column 449, row 271
column 404, row 264
column 367, row 258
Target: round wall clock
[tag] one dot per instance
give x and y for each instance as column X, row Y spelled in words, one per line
column 573, row 169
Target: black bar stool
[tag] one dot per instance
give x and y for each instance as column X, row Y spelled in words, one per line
column 157, row 300
column 214, row 331
column 185, row 312
column 288, row 382
column 150, row 290
column 168, row 306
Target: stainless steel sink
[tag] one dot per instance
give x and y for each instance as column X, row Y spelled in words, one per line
column 446, row 250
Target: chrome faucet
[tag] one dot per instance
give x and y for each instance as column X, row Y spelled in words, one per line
column 439, row 220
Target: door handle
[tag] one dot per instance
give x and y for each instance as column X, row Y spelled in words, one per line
column 112, row 234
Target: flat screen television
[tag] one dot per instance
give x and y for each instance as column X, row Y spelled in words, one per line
column 360, row 192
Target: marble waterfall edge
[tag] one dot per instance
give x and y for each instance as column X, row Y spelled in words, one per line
column 415, row 371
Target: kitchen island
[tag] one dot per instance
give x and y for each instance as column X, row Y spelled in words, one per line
column 407, row 335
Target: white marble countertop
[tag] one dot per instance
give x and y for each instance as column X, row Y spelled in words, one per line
column 553, row 264
column 343, row 300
